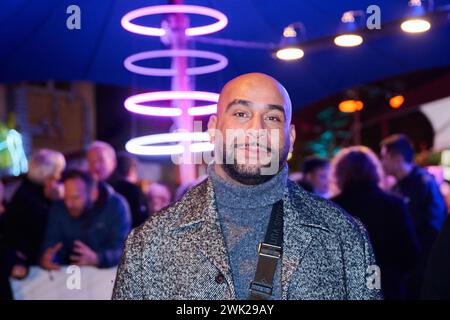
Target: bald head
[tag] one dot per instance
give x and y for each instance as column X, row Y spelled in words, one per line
column 101, row 159
column 256, row 88
column 256, row 109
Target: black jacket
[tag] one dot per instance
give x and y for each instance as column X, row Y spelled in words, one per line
column 25, row 221
column 426, row 205
column 436, row 284
column 390, row 230
column 6, row 262
column 136, row 200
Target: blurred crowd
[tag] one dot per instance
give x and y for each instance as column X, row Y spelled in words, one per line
column 402, row 206
column 60, row 214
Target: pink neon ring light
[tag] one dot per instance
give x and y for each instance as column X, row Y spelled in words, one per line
column 221, row 23
column 129, row 62
column 146, row 145
column 134, row 103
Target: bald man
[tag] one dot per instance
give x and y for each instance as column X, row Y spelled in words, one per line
column 247, row 232
column 102, row 160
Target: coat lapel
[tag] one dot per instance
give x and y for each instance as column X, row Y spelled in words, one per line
column 208, row 237
column 299, row 225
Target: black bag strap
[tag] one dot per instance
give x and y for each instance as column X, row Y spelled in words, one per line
column 269, row 252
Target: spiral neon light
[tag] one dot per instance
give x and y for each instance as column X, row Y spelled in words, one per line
column 146, row 145
column 135, row 103
column 172, row 143
column 201, row 147
column 221, row 23
column 129, row 62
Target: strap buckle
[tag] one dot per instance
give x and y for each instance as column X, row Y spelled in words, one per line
column 269, row 250
column 268, row 257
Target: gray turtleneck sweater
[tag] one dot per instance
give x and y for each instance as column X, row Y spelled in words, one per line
column 244, row 213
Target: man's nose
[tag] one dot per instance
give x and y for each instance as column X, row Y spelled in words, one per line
column 256, row 123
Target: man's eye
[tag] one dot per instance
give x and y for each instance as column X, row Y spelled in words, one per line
column 239, row 114
column 274, row 118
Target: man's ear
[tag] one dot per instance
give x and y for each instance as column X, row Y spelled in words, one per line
column 212, row 126
column 292, row 136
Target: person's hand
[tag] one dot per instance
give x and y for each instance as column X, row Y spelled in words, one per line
column 83, row 255
column 19, row 271
column 48, row 256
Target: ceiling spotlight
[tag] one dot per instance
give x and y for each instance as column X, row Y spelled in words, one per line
column 289, row 48
column 348, row 35
column 350, row 106
column 396, row 101
column 290, row 53
column 415, row 23
column 348, row 40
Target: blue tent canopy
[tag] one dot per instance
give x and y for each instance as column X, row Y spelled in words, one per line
column 35, row 44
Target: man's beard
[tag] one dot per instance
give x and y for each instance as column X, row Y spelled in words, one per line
column 251, row 174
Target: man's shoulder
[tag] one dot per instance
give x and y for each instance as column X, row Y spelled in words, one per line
column 116, row 198
column 422, row 177
column 323, row 213
column 391, row 200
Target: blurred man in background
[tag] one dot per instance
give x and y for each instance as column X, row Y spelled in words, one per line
column 102, row 163
column 88, row 228
column 125, row 182
column 419, row 190
column 416, row 186
column 102, row 160
column 315, row 175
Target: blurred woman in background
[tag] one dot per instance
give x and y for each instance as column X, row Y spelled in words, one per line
column 357, row 175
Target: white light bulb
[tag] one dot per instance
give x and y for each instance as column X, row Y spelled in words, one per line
column 415, row 25
column 348, row 40
column 290, row 53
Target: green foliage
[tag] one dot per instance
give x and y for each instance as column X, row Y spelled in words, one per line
column 333, row 127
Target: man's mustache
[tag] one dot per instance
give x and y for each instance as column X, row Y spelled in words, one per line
column 246, row 145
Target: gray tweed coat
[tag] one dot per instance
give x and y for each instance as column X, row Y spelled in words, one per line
column 179, row 252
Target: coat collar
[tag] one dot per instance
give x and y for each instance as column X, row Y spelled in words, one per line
column 300, row 227
column 199, row 213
